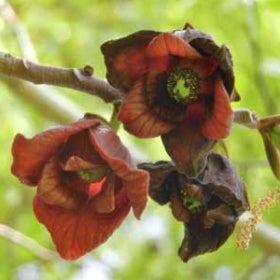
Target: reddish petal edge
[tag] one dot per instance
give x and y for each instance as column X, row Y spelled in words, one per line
column 137, row 117
column 29, row 155
column 218, row 125
column 134, row 180
column 168, row 44
column 76, row 232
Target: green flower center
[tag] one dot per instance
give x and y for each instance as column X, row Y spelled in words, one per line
column 192, row 204
column 93, row 175
column 183, row 85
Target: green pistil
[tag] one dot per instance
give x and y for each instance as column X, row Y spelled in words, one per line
column 92, row 175
column 180, row 89
column 192, row 204
column 183, row 85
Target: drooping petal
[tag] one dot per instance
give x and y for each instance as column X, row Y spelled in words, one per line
column 218, row 125
column 136, row 184
column 188, row 149
column 162, row 180
column 168, row 44
column 125, row 58
column 135, row 181
column 76, row 232
column 29, row 155
column 223, row 181
column 199, row 239
column 138, row 118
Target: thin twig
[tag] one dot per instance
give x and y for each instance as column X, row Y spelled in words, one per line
column 50, row 102
column 23, row 38
column 28, row 243
column 54, row 107
column 250, row 119
column 64, row 77
column 268, row 237
column 269, row 121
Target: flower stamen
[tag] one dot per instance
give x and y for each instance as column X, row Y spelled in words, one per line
column 183, row 85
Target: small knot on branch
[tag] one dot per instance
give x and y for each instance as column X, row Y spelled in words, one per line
column 87, row 70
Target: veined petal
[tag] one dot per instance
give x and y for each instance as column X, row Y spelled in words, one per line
column 136, row 184
column 168, row 44
column 134, row 181
column 138, row 118
column 29, row 155
column 218, row 125
column 76, row 232
column 52, row 190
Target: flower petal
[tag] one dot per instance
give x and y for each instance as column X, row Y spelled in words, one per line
column 135, row 181
column 162, row 180
column 125, row 58
column 199, row 239
column 223, row 181
column 76, row 232
column 29, row 155
column 138, row 118
column 75, row 163
column 168, row 44
column 203, row 67
column 104, row 201
column 52, row 190
column 188, row 149
column 218, row 125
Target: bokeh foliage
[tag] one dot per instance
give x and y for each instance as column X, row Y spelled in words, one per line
column 68, row 34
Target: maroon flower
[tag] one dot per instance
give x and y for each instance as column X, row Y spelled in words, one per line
column 208, row 206
column 176, row 84
column 86, row 183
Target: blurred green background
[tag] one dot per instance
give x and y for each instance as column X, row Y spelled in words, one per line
column 68, row 34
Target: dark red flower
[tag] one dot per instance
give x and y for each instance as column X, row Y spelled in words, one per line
column 176, row 84
column 208, row 206
column 86, row 183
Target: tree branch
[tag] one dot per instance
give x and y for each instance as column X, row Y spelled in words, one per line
column 27, row 242
column 79, row 79
column 23, row 38
column 268, row 237
column 52, row 105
